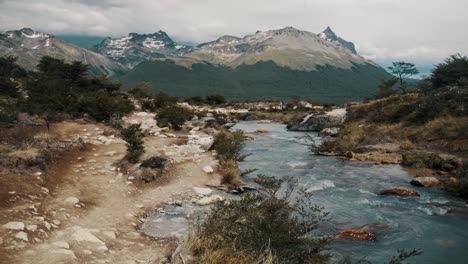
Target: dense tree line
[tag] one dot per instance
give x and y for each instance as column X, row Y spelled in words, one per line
column 59, row 90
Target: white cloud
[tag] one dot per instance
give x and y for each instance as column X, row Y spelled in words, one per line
column 384, row 30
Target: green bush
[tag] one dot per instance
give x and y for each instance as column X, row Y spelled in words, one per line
column 174, row 116
column 134, row 138
column 8, row 88
column 263, row 227
column 8, row 110
column 215, row 99
column 102, row 106
column 195, row 100
column 228, row 145
column 155, row 162
column 164, row 100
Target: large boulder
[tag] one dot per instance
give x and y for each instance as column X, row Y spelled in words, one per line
column 425, row 181
column 318, row 122
column 14, row 226
column 329, row 132
column 399, row 192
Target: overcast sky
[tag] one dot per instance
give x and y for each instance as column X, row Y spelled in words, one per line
column 421, row 31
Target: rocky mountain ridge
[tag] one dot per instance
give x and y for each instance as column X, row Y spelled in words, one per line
column 287, row 47
column 30, row 46
column 136, row 48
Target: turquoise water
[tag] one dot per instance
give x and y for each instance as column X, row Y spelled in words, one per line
column 348, row 191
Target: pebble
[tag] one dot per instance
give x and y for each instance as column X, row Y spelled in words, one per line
column 47, row 225
column 208, row 169
column 72, row 200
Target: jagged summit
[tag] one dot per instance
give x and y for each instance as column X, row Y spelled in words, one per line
column 135, row 48
column 329, row 35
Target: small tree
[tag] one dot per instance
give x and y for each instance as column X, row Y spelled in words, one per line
column 403, row 70
column 451, row 71
column 134, row 138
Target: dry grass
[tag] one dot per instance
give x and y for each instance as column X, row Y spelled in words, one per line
column 210, row 251
column 230, row 173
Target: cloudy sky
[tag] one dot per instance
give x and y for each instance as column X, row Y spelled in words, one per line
column 421, row 31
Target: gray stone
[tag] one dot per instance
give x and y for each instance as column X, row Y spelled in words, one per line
column 22, row 235
column 14, row 226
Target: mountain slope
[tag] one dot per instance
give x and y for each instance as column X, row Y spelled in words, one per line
column 135, row 48
column 287, row 47
column 30, row 46
column 275, row 64
column 260, row 81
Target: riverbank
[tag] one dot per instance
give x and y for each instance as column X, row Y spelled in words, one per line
column 350, row 192
column 85, row 208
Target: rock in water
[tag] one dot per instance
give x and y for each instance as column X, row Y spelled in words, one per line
column 249, row 137
column 425, row 181
column 318, row 122
column 357, row 234
column 262, row 131
column 399, row 192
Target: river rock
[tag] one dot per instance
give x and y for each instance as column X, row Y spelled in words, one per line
column 209, row 200
column 202, row 191
column 399, row 192
column 262, row 131
column 85, row 235
column 208, row 169
column 31, row 228
column 357, row 234
column 14, row 226
column 72, row 200
column 315, row 122
column 249, row 137
column 61, row 244
column 425, row 181
column 64, row 252
column 22, row 236
column 329, row 132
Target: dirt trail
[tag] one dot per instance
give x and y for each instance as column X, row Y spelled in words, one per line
column 94, row 214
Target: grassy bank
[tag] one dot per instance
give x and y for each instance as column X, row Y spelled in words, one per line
column 428, row 126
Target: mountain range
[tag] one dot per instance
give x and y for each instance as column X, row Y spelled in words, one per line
column 273, row 64
column 29, row 46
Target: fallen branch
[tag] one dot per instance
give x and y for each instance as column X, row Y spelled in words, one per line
column 176, row 253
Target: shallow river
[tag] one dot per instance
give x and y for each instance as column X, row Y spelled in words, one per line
column 348, row 191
